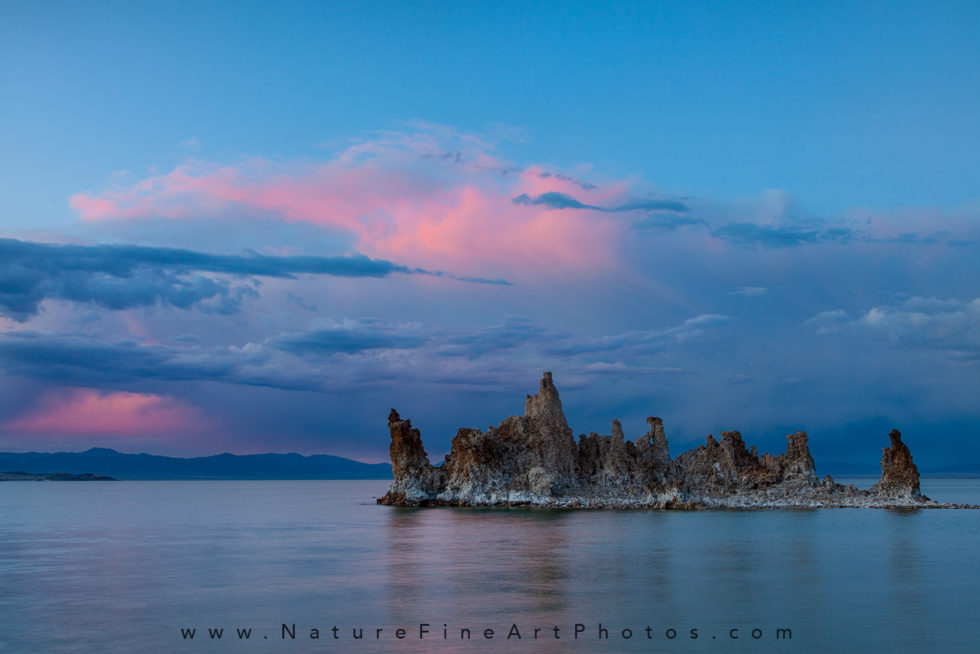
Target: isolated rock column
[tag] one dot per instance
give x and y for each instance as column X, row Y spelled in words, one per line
column 415, row 479
column 899, row 476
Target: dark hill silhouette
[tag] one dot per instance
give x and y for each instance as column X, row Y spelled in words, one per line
column 104, row 461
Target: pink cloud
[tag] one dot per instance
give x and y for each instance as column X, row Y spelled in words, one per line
column 404, row 197
column 88, row 412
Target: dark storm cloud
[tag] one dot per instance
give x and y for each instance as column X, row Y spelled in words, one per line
column 127, row 276
column 63, row 360
column 349, row 338
column 556, row 200
column 124, row 260
column 325, row 356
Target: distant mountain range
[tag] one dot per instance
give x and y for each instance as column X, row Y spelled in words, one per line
column 103, row 461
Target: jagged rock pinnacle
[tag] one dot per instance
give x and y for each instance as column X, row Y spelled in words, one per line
column 545, row 406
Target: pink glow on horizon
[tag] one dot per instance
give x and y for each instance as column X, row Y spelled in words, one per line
column 400, row 201
column 88, row 412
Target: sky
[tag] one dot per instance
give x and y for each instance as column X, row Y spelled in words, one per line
column 258, row 226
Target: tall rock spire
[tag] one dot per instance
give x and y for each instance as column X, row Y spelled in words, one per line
column 899, row 476
column 415, row 479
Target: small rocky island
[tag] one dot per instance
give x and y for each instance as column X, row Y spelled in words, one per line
column 20, row 475
column 534, row 460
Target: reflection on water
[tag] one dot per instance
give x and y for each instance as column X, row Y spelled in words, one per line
column 477, row 569
column 905, row 568
column 123, row 566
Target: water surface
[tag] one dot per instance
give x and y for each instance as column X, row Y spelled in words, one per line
column 123, row 566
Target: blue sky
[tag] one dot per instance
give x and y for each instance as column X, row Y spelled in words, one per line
column 285, row 219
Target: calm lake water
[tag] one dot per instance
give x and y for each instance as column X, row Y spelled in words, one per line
column 124, row 566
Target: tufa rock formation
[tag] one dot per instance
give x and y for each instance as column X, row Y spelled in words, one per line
column 415, row 478
column 534, row 460
column 899, row 476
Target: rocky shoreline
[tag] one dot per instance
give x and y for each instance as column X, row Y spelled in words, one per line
column 534, row 460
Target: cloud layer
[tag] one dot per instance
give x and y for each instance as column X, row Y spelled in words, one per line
column 339, row 301
column 127, row 276
column 946, row 325
column 443, row 199
column 434, row 198
column 348, row 354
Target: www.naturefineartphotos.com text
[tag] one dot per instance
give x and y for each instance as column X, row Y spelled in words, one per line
column 514, row 631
